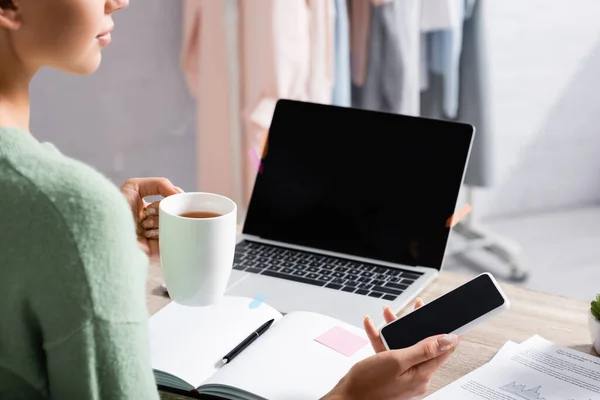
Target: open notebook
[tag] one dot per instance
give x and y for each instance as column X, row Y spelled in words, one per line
column 286, row 362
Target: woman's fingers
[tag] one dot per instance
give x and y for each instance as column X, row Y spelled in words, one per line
column 419, row 303
column 429, row 349
column 151, row 209
column 152, row 187
column 373, row 335
column 388, row 314
column 150, row 223
column 154, row 250
column 151, row 234
column 429, row 367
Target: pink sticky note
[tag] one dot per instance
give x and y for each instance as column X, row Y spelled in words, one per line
column 342, row 341
column 256, row 159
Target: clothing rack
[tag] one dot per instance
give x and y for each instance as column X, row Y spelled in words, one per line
column 475, row 236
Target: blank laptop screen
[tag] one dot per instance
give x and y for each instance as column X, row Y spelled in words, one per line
column 359, row 182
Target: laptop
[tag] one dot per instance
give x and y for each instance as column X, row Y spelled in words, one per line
column 350, row 210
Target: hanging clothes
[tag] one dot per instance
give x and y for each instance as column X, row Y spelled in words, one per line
column 288, row 52
column 204, row 63
column 322, row 37
column 341, row 88
column 439, row 15
column 473, row 96
column 444, row 18
column 360, row 16
column 469, row 7
column 276, row 64
column 391, row 83
column 285, row 50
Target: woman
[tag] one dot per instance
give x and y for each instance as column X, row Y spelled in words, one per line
column 72, row 268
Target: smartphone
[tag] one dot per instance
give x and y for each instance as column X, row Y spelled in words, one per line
column 455, row 312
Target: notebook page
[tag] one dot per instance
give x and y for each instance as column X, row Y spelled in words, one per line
column 189, row 342
column 287, row 363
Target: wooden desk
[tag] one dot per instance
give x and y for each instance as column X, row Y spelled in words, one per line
column 558, row 319
column 555, row 318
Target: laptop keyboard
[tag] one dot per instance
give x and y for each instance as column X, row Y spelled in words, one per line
column 331, row 272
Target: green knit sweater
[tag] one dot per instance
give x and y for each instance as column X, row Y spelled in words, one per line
column 73, row 317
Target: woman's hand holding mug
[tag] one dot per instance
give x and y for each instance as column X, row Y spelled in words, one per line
column 145, row 215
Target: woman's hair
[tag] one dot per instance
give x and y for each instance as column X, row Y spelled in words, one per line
column 6, row 4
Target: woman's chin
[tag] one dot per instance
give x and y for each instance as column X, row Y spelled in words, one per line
column 91, row 67
column 84, row 67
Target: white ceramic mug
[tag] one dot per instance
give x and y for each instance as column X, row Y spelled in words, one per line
column 197, row 253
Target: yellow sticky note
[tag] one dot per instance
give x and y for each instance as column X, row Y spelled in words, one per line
column 457, row 216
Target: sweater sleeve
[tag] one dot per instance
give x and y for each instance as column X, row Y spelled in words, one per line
column 102, row 360
column 88, row 295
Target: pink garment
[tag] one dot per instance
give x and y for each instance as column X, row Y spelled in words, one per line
column 286, row 52
column 204, row 61
column 360, row 16
column 322, row 25
column 275, row 64
column 360, row 20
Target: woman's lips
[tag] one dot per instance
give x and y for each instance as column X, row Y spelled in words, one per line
column 104, row 39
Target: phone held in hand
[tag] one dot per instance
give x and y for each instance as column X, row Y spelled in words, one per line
column 455, row 312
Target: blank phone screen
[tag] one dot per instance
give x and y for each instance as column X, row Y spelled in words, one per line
column 445, row 314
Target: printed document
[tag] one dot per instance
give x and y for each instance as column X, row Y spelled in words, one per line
column 533, row 370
